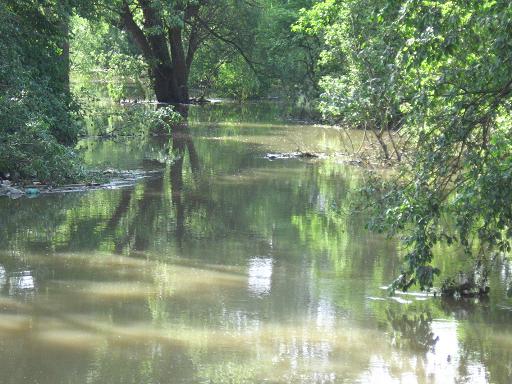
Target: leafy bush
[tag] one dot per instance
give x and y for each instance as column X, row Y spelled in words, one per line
column 37, row 119
column 101, row 52
column 439, row 73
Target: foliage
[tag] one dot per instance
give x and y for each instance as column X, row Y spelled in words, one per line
column 101, row 52
column 36, row 113
column 444, row 71
column 362, row 88
column 33, row 152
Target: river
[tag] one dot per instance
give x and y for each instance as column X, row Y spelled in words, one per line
column 223, row 266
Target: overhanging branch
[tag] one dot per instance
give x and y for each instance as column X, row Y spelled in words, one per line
column 135, row 31
column 226, row 40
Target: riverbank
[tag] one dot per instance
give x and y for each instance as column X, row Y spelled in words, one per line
column 111, row 179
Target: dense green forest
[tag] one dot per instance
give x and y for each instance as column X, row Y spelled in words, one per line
column 428, row 81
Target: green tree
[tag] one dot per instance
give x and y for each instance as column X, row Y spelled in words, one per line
column 169, row 33
column 362, row 86
column 441, row 74
column 36, row 113
column 457, row 56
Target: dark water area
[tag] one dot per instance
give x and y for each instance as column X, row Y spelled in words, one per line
column 226, row 267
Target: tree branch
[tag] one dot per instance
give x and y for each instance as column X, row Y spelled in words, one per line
column 153, row 23
column 135, row 31
column 249, row 62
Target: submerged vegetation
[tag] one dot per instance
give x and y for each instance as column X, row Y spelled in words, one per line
column 430, row 82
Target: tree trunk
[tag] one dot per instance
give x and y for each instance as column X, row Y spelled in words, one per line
column 161, row 80
column 168, row 85
column 382, row 143
column 168, row 73
column 179, row 63
column 63, row 80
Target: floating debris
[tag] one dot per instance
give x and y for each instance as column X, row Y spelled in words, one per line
column 13, row 193
column 466, row 284
column 32, row 191
column 118, row 179
column 376, row 298
column 294, row 155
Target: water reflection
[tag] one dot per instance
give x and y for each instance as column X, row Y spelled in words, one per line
column 21, row 283
column 3, row 277
column 260, row 276
column 224, row 267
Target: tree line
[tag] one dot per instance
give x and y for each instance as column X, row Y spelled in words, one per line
column 242, row 47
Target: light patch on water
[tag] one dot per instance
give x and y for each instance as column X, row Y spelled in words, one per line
column 21, row 282
column 153, row 279
column 326, row 314
column 400, row 300
column 444, row 361
column 76, row 332
column 11, row 324
column 69, row 339
column 378, row 372
column 3, row 276
column 260, row 276
column 108, row 291
column 98, row 261
column 181, row 280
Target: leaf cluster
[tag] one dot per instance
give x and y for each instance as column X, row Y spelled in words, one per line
column 443, row 71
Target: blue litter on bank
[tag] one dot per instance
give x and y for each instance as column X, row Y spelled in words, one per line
column 32, row 191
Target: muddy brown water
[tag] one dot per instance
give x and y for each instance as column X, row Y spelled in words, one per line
column 228, row 268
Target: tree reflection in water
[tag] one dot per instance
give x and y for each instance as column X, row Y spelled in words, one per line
column 134, row 232
column 412, row 331
column 181, row 144
column 224, row 267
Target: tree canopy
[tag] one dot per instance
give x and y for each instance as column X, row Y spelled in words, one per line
column 436, row 75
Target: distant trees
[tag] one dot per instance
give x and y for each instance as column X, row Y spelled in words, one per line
column 169, row 34
column 239, row 49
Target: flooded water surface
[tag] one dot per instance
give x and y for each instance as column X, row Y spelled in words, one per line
column 223, row 266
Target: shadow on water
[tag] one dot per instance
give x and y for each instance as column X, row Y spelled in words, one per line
column 413, row 331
